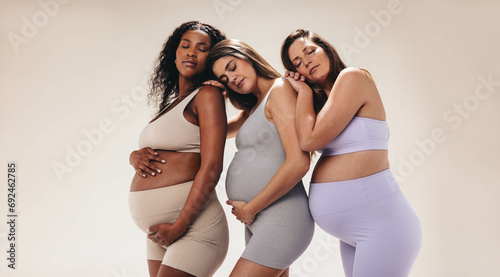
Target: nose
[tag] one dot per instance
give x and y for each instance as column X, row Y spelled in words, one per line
column 231, row 77
column 191, row 53
column 307, row 62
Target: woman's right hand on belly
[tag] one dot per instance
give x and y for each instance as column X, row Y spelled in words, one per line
column 143, row 161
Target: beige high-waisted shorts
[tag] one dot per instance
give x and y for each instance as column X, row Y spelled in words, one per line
column 202, row 249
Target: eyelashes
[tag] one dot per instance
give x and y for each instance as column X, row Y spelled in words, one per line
column 308, row 53
column 201, row 50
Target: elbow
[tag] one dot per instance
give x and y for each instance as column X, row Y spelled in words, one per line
column 216, row 171
column 302, row 164
column 307, row 145
column 212, row 171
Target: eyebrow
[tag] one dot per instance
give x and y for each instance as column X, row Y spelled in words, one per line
column 225, row 69
column 227, row 65
column 204, row 43
column 303, row 50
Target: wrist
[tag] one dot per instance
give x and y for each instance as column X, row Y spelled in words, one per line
column 250, row 208
column 180, row 224
column 305, row 90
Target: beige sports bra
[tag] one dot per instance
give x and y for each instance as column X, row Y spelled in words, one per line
column 171, row 131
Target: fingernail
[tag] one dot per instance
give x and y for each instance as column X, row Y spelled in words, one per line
column 159, row 171
column 156, row 153
column 144, row 175
column 163, row 161
column 152, row 173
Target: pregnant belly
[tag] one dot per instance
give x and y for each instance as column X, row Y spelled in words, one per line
column 178, row 168
column 247, row 175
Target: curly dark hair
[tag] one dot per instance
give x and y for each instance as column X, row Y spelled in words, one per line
column 164, row 82
column 336, row 63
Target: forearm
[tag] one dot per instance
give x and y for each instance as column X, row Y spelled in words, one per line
column 305, row 118
column 287, row 176
column 203, row 186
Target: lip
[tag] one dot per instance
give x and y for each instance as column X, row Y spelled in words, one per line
column 190, row 63
column 240, row 83
column 313, row 69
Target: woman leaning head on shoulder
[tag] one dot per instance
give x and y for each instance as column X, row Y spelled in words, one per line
column 320, row 63
column 249, row 63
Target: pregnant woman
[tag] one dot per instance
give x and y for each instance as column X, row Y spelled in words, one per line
column 172, row 196
column 353, row 194
column 263, row 181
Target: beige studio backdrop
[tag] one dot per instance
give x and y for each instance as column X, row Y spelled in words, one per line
column 73, row 104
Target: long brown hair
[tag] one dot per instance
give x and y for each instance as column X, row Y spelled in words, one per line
column 336, row 63
column 241, row 50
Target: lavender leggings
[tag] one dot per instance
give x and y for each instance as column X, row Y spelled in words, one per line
column 379, row 231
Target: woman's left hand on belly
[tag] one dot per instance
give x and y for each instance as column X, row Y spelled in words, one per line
column 165, row 234
column 241, row 212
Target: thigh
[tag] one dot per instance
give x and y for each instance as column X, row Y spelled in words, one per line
column 392, row 245
column 246, row 268
column 167, row 271
column 347, row 253
column 154, row 252
column 203, row 248
column 277, row 241
column 154, row 267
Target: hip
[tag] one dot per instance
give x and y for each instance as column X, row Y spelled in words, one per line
column 349, row 166
column 164, row 205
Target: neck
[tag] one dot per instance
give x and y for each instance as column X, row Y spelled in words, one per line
column 326, row 86
column 263, row 86
column 184, row 85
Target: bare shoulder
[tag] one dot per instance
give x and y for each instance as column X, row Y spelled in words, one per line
column 282, row 88
column 209, row 92
column 354, row 74
column 356, row 80
column 208, row 99
column 282, row 101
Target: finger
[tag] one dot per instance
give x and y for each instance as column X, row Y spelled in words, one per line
column 230, row 202
column 140, row 173
column 152, row 230
column 151, row 151
column 302, row 78
column 153, row 168
column 214, row 83
column 147, row 170
column 156, row 159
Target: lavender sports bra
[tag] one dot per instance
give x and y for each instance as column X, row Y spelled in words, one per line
column 171, row 131
column 360, row 134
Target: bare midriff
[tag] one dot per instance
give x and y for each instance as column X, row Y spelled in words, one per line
column 350, row 166
column 179, row 167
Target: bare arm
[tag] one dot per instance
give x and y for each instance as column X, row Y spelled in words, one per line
column 234, row 123
column 212, row 119
column 210, row 108
column 349, row 93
